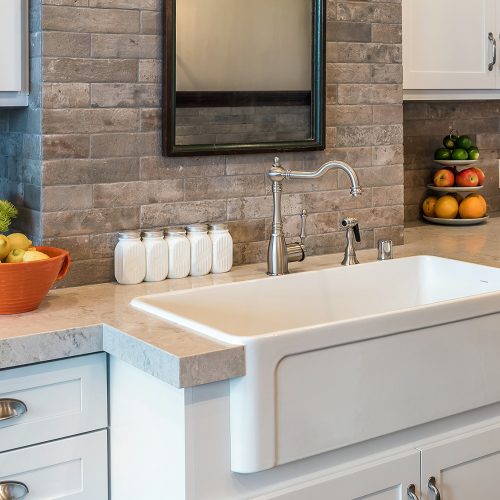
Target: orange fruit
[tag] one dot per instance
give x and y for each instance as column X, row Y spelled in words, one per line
column 485, row 206
column 428, row 206
column 472, row 208
column 446, row 207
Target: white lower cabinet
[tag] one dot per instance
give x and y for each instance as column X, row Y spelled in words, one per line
column 464, row 467
column 387, row 479
column 73, row 468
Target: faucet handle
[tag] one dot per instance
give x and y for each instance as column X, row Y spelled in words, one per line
column 303, row 217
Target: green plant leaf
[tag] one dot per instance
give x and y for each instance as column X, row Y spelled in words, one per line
column 7, row 212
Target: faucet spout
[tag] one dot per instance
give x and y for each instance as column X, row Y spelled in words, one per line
column 331, row 165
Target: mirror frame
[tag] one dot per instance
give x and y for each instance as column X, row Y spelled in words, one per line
column 318, row 96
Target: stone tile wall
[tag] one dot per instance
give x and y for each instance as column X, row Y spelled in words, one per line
column 102, row 168
column 425, row 125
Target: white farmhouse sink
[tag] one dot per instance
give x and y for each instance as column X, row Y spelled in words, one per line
column 342, row 355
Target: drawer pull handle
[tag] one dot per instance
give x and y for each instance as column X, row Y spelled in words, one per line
column 493, row 42
column 411, row 492
column 432, row 486
column 11, row 408
column 13, row 490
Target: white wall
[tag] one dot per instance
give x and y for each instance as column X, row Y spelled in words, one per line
column 244, row 44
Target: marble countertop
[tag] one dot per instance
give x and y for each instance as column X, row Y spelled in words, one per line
column 94, row 318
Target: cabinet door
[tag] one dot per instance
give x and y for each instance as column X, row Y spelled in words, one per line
column 465, row 467
column 446, row 45
column 386, row 479
column 13, row 45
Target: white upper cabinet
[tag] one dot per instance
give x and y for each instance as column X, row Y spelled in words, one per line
column 449, row 48
column 14, row 53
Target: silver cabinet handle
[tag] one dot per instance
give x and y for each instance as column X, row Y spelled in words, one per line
column 493, row 41
column 432, row 486
column 411, row 492
column 13, row 490
column 11, row 408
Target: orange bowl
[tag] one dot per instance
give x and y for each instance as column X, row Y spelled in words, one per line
column 24, row 285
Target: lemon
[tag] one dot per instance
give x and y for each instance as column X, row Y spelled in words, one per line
column 33, row 255
column 15, row 255
column 4, row 246
column 19, row 240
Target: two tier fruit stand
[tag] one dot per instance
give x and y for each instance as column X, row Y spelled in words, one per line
column 459, row 165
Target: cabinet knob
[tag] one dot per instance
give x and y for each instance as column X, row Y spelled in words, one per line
column 432, row 486
column 13, row 490
column 411, row 492
column 11, row 408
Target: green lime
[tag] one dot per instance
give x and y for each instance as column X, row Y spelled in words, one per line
column 442, row 154
column 464, row 142
column 449, row 141
column 459, row 154
column 473, row 154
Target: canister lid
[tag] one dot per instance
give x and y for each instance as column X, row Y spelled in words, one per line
column 129, row 235
column 176, row 230
column 152, row 233
column 197, row 228
column 218, row 226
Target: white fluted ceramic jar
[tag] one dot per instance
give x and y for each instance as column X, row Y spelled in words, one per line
column 222, row 248
column 156, row 255
column 179, row 253
column 130, row 258
column 201, row 249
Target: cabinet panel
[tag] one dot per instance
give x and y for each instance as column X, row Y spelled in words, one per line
column 386, row 479
column 73, row 468
column 446, row 46
column 63, row 398
column 13, row 45
column 465, row 467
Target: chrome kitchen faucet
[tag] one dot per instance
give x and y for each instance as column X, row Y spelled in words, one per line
column 280, row 253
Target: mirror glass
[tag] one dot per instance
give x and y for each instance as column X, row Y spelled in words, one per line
column 246, row 75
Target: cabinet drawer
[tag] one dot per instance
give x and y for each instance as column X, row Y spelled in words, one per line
column 62, row 398
column 74, row 468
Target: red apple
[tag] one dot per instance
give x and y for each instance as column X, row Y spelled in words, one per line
column 467, row 178
column 480, row 175
column 444, row 178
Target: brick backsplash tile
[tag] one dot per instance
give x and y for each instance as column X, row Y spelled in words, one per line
column 88, row 20
column 61, row 44
column 66, row 95
column 138, row 193
column 126, row 46
column 89, row 121
column 89, row 70
column 86, row 171
column 60, row 198
column 125, row 95
column 66, row 146
column 171, row 214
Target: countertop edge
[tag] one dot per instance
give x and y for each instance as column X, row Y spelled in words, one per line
column 181, row 373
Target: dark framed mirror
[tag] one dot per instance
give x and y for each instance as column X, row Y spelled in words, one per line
column 243, row 76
